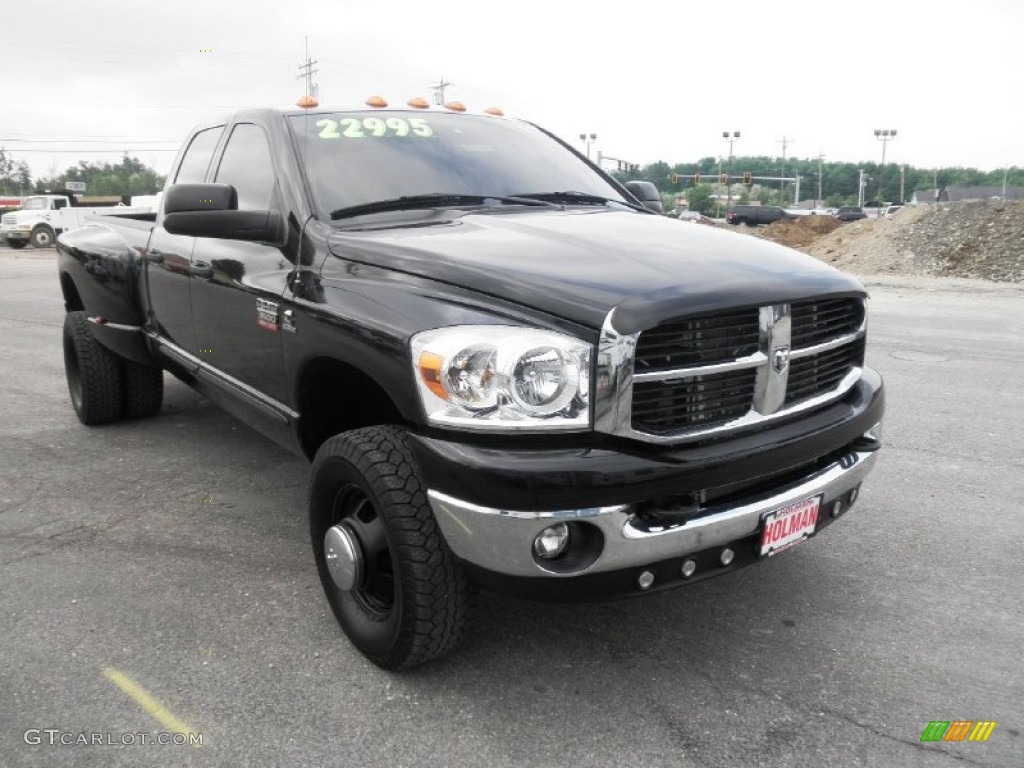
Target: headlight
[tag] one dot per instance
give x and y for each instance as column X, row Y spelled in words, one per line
column 503, row 377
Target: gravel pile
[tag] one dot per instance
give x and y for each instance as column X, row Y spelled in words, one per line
column 974, row 240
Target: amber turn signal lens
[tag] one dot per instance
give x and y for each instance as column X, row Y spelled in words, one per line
column 430, row 371
column 418, row 102
column 376, row 101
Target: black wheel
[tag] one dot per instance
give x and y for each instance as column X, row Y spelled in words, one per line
column 143, row 390
column 393, row 584
column 750, row 223
column 42, row 236
column 94, row 373
column 16, row 244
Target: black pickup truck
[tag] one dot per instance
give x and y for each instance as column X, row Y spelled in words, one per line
column 752, row 215
column 506, row 372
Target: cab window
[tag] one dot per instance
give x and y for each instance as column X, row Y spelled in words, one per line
column 248, row 167
column 197, row 157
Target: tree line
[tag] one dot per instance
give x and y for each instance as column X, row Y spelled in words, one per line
column 839, row 181
column 130, row 176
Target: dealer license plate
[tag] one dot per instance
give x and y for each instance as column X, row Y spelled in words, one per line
column 786, row 527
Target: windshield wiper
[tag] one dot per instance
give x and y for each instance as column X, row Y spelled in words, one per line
column 578, row 198
column 434, row 200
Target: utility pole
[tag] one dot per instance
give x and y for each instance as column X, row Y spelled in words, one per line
column 820, row 199
column 903, row 179
column 1006, row 173
column 860, row 190
column 884, row 136
column 439, row 87
column 731, row 138
column 785, row 141
column 307, row 73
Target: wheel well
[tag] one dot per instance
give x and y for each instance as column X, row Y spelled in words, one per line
column 72, row 301
column 335, row 397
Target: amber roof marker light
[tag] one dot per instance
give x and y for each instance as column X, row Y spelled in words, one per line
column 418, row 102
column 494, row 111
column 455, row 106
column 376, row 101
column 307, row 102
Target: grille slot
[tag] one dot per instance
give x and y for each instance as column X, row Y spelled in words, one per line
column 661, row 407
column 824, row 319
column 812, row 375
column 698, row 341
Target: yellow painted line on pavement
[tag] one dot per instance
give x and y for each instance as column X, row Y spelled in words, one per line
column 147, row 701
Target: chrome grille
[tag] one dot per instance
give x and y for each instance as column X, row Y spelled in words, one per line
column 692, row 377
column 698, row 341
column 661, row 407
column 823, row 319
column 822, row 372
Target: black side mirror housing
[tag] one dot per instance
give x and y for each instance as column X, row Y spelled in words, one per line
column 211, row 210
column 647, row 194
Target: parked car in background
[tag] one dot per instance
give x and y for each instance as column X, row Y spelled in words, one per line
column 752, row 215
column 850, row 213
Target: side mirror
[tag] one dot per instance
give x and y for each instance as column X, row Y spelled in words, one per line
column 211, row 210
column 647, row 194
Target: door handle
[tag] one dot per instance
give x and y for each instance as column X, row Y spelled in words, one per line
column 155, row 256
column 200, row 269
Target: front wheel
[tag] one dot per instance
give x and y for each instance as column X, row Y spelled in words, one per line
column 42, row 237
column 390, row 579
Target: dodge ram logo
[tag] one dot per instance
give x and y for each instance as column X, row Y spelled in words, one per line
column 780, row 359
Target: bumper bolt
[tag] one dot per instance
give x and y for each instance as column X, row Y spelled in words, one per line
column 645, row 580
column 689, row 568
column 726, row 557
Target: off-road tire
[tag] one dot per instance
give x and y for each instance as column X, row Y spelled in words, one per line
column 143, row 390
column 42, row 237
column 432, row 598
column 93, row 372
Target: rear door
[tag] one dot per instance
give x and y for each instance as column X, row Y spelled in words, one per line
column 168, row 256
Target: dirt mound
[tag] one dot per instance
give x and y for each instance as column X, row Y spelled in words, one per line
column 975, row 240
column 801, row 232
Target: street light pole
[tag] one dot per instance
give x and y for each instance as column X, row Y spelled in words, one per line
column 884, row 136
column 587, row 141
column 731, row 138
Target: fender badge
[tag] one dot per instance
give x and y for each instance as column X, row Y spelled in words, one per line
column 288, row 321
column 780, row 359
column 266, row 315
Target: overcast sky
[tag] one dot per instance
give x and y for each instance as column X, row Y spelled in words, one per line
column 655, row 80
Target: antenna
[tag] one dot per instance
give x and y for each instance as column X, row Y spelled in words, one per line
column 307, row 72
column 439, row 90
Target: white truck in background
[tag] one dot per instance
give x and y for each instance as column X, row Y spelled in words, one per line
column 43, row 217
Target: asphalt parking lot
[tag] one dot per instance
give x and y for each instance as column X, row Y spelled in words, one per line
column 171, row 555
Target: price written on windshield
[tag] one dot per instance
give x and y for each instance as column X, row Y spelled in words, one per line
column 373, row 127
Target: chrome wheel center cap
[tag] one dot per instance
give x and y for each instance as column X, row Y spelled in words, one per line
column 344, row 558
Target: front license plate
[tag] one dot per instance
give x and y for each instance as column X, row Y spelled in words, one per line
column 783, row 528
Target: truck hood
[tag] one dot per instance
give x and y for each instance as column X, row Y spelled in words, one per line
column 581, row 264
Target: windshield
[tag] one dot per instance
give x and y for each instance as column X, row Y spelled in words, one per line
column 355, row 158
column 36, row 204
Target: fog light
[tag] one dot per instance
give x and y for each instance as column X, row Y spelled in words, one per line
column 689, row 568
column 837, row 507
column 645, row 580
column 552, row 541
column 726, row 557
column 854, row 494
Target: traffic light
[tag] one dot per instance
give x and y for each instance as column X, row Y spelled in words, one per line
column 674, row 178
column 747, row 177
column 724, row 178
column 696, row 178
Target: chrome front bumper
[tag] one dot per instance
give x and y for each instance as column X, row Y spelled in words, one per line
column 501, row 540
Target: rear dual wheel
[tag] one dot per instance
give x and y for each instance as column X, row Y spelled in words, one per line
column 103, row 386
column 390, row 579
